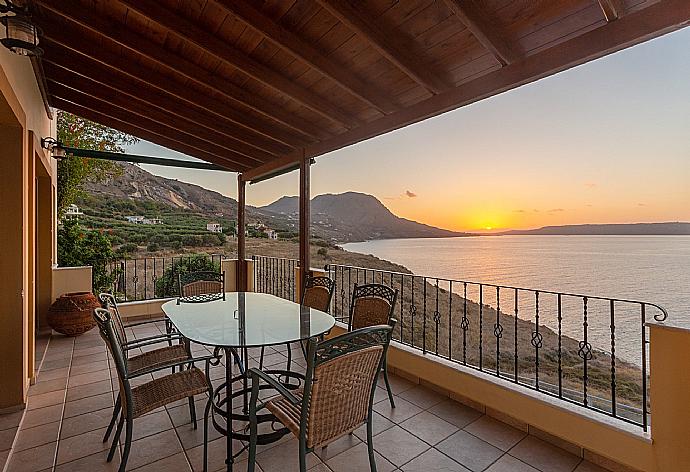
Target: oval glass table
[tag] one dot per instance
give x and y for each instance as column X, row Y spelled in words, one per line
column 234, row 323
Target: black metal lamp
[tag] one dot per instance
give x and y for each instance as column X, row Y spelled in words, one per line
column 20, row 35
column 54, row 146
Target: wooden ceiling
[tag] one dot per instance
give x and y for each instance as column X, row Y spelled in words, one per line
column 255, row 86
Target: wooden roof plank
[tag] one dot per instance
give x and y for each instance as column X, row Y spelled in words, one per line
column 143, row 133
column 142, row 108
column 397, row 51
column 171, row 61
column 238, row 59
column 611, row 8
column 634, row 28
column 485, row 33
column 291, row 42
column 112, row 110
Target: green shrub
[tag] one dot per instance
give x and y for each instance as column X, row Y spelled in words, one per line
column 153, row 247
column 166, row 285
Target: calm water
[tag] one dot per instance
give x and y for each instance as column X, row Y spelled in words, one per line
column 648, row 268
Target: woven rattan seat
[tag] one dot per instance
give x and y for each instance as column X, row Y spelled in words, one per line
column 285, row 411
column 157, row 358
column 165, row 390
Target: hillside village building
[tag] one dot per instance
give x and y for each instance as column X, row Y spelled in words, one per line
column 214, row 227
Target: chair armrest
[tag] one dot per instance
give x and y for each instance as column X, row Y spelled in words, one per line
column 257, row 375
column 168, row 366
column 139, row 323
column 160, row 338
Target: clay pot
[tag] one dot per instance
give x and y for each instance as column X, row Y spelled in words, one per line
column 72, row 313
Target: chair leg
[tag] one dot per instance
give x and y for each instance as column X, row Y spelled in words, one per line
column 116, row 438
column 388, row 385
column 253, row 427
column 302, row 452
column 206, row 411
column 116, row 412
column 168, row 330
column 192, row 411
column 289, row 356
column 128, row 445
column 261, row 359
column 370, row 442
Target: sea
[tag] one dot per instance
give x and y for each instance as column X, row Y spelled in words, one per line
column 653, row 269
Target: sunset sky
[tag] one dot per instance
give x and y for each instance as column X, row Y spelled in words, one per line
column 606, row 142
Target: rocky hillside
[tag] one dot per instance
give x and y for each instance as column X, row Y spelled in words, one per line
column 341, row 218
column 355, row 216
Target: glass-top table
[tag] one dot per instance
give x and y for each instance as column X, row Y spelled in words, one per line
column 233, row 323
column 247, row 319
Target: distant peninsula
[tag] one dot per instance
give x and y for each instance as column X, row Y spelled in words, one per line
column 632, row 229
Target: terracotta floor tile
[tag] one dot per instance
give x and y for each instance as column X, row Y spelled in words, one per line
column 216, row 455
column 54, row 374
column 285, row 458
column 37, row 436
column 152, row 448
column 176, row 463
column 85, row 423
column 88, row 390
column 356, row 459
column 85, row 379
column 398, row 445
column 338, row 446
column 88, row 404
column 433, row 461
column 455, row 413
column 508, row 463
column 422, row 397
column 544, row 456
column 48, row 386
column 429, row 427
column 82, row 445
column 42, row 400
column 10, row 420
column 469, row 451
column 41, row 416
column 32, row 460
column 495, row 432
column 589, row 467
column 402, row 411
column 92, row 463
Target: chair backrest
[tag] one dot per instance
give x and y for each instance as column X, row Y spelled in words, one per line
column 202, row 286
column 108, row 302
column 107, row 327
column 371, row 305
column 340, row 381
column 318, row 292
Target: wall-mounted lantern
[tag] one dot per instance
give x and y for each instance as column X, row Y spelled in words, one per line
column 54, row 146
column 20, row 35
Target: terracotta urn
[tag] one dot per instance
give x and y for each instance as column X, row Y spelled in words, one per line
column 72, row 313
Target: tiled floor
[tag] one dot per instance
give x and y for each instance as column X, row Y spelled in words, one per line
column 70, row 406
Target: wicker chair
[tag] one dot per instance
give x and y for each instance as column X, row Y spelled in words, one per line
column 200, row 287
column 337, row 395
column 317, row 294
column 372, row 305
column 139, row 400
column 167, row 356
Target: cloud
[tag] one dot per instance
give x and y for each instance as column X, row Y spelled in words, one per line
column 519, row 211
column 641, row 204
column 410, row 194
column 556, row 210
column 591, row 185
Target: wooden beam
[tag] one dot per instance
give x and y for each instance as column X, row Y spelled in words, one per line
column 142, row 133
column 634, row 28
column 397, row 49
column 56, row 9
column 611, row 8
column 241, row 238
column 482, row 29
column 271, row 168
column 304, row 220
column 142, row 109
column 212, row 44
column 300, row 48
column 40, row 75
column 141, row 121
column 161, row 91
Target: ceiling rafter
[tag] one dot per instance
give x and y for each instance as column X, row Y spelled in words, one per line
column 55, row 60
column 300, row 48
column 611, row 9
column 143, row 133
column 394, row 47
column 145, row 47
column 142, row 109
column 58, row 90
column 212, row 44
column 483, row 31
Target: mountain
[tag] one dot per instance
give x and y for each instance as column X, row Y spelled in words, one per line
column 354, row 216
column 343, row 218
column 670, row 228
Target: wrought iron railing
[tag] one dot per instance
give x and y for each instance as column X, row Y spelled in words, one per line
column 276, row 275
column 588, row 350
column 150, row 278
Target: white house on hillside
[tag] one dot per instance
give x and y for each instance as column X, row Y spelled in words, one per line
column 214, row 227
column 135, row 219
column 73, row 212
